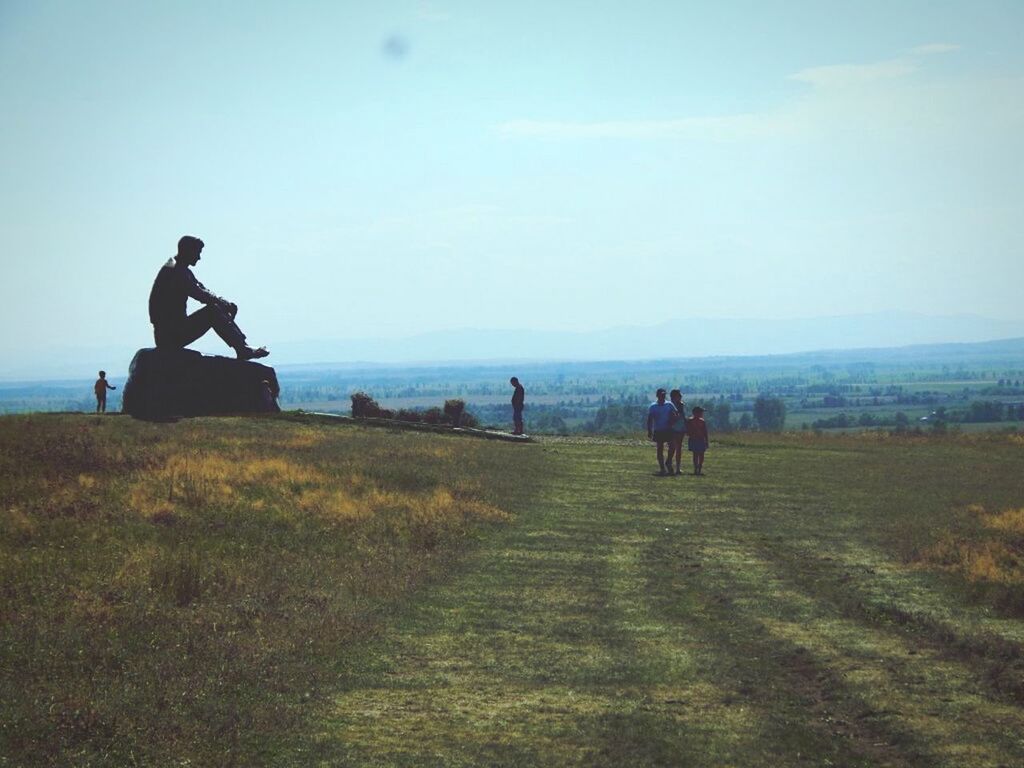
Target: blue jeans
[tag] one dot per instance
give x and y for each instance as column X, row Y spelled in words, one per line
column 517, row 418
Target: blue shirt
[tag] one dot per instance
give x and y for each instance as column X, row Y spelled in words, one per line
column 659, row 416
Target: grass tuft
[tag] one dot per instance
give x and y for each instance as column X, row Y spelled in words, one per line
column 177, row 575
column 988, row 556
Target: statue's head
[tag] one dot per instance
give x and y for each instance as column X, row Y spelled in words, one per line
column 189, row 250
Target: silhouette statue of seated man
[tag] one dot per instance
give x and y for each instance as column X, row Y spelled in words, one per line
column 173, row 327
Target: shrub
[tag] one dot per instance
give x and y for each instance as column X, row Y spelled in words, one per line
column 364, row 406
column 453, row 410
column 432, row 416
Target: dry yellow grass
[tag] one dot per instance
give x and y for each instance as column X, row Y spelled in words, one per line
column 218, row 564
column 992, row 556
column 1009, row 521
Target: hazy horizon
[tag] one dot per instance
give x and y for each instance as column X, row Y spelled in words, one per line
column 406, row 168
column 679, row 338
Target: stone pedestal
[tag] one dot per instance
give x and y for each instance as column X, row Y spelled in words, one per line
column 167, row 383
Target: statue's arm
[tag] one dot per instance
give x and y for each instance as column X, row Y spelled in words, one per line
column 201, row 293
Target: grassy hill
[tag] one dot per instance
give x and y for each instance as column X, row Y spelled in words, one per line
column 266, row 592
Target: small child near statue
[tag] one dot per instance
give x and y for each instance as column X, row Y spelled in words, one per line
column 100, row 388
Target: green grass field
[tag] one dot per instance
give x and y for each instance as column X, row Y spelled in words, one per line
column 265, row 592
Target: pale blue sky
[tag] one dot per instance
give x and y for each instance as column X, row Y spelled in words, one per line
column 379, row 169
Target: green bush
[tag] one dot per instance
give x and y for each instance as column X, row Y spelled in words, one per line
column 432, row 416
column 364, row 406
column 454, row 412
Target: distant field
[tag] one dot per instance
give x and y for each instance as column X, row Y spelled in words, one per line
column 608, row 397
column 1003, row 426
column 947, row 386
column 265, row 592
column 795, row 419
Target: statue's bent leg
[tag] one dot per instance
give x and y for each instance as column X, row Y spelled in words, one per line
column 179, row 334
column 225, row 327
column 194, row 326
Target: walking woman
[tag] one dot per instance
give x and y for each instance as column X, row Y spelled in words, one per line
column 675, row 445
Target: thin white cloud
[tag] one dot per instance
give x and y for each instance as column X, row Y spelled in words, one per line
column 934, row 48
column 428, row 11
column 852, row 75
column 721, row 127
column 847, row 75
column 858, row 86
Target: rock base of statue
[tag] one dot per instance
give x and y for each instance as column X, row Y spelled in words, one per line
column 170, row 383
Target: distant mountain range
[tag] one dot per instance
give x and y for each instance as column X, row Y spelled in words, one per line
column 673, row 339
column 684, row 338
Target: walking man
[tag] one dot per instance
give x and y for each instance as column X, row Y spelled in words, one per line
column 518, row 400
column 659, row 427
column 173, row 327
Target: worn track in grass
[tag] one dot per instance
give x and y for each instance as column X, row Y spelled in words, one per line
column 770, row 613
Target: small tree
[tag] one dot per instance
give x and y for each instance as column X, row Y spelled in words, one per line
column 902, row 422
column 770, row 414
column 986, row 410
column 720, row 417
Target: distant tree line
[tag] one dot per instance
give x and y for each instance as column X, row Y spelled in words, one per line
column 845, row 420
column 979, row 412
column 768, row 415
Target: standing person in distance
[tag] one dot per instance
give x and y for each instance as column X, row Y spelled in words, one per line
column 173, row 327
column 100, row 388
column 675, row 446
column 518, row 401
column 697, row 429
column 659, row 427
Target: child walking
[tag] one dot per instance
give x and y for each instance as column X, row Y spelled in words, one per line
column 100, row 388
column 697, row 429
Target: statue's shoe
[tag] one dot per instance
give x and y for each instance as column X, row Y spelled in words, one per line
column 248, row 353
